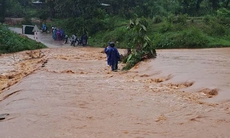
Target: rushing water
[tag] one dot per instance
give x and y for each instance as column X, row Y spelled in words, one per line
column 74, row 94
column 207, row 68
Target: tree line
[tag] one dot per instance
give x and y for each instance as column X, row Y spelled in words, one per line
column 129, row 8
column 124, row 8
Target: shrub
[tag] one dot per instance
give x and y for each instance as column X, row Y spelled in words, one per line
column 218, row 29
column 191, row 38
column 182, row 19
column 12, row 42
column 206, row 19
column 157, row 19
column 141, row 46
column 132, row 60
column 27, row 20
column 166, row 27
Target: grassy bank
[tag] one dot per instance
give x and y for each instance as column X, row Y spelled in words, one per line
column 178, row 33
column 13, row 42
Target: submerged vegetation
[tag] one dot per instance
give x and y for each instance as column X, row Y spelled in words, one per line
column 139, row 26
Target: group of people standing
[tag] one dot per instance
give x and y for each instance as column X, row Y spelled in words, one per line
column 58, row 34
column 113, row 56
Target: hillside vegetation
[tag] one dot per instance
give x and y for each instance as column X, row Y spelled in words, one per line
column 172, row 32
column 13, row 42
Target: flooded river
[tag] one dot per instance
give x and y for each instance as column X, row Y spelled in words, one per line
column 69, row 92
column 206, row 68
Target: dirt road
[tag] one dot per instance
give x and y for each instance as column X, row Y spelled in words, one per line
column 69, row 92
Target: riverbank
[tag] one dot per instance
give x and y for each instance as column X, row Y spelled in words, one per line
column 12, row 42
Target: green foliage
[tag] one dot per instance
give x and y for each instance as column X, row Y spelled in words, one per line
column 182, row 19
column 14, row 9
column 132, row 59
column 223, row 12
column 165, row 27
column 207, row 19
column 190, row 38
column 141, row 46
column 27, row 20
column 218, row 29
column 42, row 14
column 12, row 42
column 2, row 10
column 157, row 19
column 169, row 34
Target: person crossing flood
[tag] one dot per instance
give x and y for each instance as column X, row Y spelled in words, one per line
column 106, row 52
column 113, row 56
column 73, row 40
column 84, row 39
column 66, row 39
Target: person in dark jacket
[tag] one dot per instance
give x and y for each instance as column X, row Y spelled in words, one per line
column 84, row 39
column 113, row 56
column 73, row 40
column 66, row 39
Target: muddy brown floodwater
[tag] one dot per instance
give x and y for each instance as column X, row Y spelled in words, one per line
column 207, row 69
column 69, row 92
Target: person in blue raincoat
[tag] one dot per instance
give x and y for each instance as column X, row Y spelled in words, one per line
column 113, row 56
column 44, row 28
column 106, row 52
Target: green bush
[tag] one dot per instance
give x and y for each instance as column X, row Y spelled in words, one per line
column 27, row 20
column 12, row 42
column 14, row 9
column 215, row 29
column 207, row 19
column 118, row 35
column 157, row 19
column 132, row 60
column 181, row 19
column 191, row 38
column 166, row 27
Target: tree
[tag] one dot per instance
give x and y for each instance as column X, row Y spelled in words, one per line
column 215, row 4
column 141, row 46
column 51, row 5
column 2, row 10
column 198, row 2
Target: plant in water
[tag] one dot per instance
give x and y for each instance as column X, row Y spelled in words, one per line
column 141, row 47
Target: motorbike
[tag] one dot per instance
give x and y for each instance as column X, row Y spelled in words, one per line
column 44, row 30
